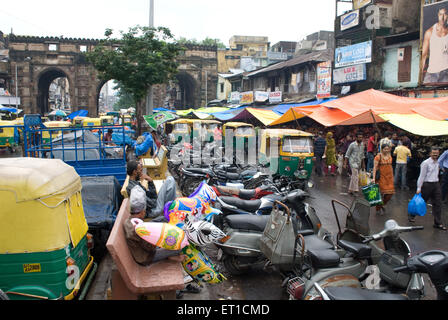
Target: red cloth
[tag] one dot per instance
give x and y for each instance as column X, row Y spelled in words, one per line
column 371, row 144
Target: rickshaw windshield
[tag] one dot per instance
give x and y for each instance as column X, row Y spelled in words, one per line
column 245, row 131
column 212, row 127
column 297, row 145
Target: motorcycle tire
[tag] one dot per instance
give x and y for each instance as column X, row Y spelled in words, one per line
column 190, row 185
column 232, row 266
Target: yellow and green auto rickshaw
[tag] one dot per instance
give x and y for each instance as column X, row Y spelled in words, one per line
column 191, row 129
column 243, row 139
column 127, row 120
column 107, row 120
column 48, row 135
column 44, row 244
column 288, row 152
column 78, row 121
column 180, row 129
column 9, row 135
column 92, row 122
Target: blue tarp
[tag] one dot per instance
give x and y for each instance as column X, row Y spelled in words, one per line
column 229, row 114
column 282, row 108
column 6, row 109
column 163, row 109
column 79, row 113
column 142, row 148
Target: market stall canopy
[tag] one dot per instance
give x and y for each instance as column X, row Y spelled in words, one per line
column 294, row 113
column 228, row 114
column 201, row 113
column 7, row 109
column 282, row 108
column 417, row 124
column 79, row 113
column 262, row 115
column 381, row 102
column 159, row 118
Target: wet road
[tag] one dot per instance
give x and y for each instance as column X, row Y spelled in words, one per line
column 261, row 285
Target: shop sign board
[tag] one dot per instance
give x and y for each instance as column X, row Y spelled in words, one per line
column 353, row 55
column 350, row 20
column 350, row 74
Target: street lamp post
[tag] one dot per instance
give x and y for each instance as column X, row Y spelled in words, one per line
column 150, row 97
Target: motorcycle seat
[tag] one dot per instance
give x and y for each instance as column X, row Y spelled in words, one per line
column 313, row 242
column 232, row 176
column 349, row 293
column 246, row 205
column 197, row 170
column 362, row 251
column 247, row 193
column 247, row 222
column 323, row 258
column 248, row 173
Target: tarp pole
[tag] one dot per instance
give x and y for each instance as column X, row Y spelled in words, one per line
column 376, row 125
column 295, row 118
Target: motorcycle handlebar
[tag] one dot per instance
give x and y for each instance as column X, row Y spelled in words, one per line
column 401, row 268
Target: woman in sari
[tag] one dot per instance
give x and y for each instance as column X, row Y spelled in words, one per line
column 330, row 155
column 383, row 163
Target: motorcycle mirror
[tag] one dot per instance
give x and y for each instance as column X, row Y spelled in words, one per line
column 390, row 224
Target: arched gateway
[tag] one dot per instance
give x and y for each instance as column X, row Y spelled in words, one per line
column 40, row 60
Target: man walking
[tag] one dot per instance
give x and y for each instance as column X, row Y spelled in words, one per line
column 320, row 148
column 402, row 153
column 372, row 147
column 429, row 187
column 443, row 164
column 355, row 157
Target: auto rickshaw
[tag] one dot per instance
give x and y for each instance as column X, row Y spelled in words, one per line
column 127, row 120
column 107, row 120
column 180, row 128
column 92, row 122
column 78, row 121
column 9, row 135
column 243, row 138
column 47, row 136
column 288, row 152
column 44, row 244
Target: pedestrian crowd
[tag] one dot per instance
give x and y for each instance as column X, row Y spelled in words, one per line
column 385, row 161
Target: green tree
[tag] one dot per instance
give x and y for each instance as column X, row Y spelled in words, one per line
column 141, row 58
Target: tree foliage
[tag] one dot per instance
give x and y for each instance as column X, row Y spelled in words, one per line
column 143, row 57
column 206, row 42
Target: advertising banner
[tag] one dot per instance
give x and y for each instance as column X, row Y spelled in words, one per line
column 434, row 63
column 349, row 74
column 350, row 20
column 323, row 80
column 247, row 97
column 261, row 96
column 360, row 3
column 275, row 96
column 353, row 55
column 235, row 97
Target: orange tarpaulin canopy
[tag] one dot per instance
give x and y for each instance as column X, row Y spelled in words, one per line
column 381, row 102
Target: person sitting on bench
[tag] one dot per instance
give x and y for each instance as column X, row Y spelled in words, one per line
column 155, row 203
column 142, row 251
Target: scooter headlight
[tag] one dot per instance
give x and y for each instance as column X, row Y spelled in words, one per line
column 301, row 174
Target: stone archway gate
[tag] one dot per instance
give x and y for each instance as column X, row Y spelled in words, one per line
column 40, row 60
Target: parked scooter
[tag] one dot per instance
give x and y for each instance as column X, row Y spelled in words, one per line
column 241, row 249
column 352, row 269
column 246, row 194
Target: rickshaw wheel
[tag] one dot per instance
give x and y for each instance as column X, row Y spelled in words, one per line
column 232, row 266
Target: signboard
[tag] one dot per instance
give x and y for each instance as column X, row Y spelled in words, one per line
column 350, row 74
column 360, row 3
column 323, row 80
column 247, row 97
column 354, row 54
column 261, row 96
column 434, row 63
column 350, row 20
column 275, row 96
column 235, row 97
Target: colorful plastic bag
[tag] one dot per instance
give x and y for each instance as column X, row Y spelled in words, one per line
column 161, row 234
column 200, row 267
column 417, row 206
column 372, row 194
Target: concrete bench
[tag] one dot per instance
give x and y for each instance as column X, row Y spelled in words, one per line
column 132, row 281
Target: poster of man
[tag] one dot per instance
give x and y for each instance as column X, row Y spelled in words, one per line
column 434, row 65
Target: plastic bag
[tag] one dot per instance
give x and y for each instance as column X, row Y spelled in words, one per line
column 363, row 178
column 417, row 206
column 372, row 194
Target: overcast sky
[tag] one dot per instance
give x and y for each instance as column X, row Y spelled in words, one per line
column 280, row 20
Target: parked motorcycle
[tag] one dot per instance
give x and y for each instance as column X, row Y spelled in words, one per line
column 245, row 194
column 362, row 263
column 241, row 249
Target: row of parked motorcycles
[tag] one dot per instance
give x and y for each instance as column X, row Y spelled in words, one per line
column 268, row 222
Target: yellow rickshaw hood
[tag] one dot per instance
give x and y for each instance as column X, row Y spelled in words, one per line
column 34, row 178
